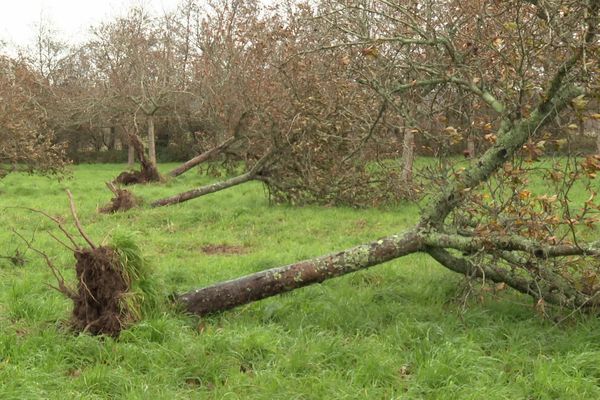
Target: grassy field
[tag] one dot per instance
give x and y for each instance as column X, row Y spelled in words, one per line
column 396, row 331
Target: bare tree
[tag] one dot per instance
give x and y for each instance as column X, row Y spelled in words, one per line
column 133, row 55
column 25, row 138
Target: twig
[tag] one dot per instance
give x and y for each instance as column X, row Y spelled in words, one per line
column 61, row 242
column 77, row 223
column 62, row 287
column 111, row 186
column 53, row 219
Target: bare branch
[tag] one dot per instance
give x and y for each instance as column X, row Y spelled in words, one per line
column 510, row 243
column 77, row 222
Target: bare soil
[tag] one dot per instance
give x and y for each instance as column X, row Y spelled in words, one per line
column 98, row 308
column 223, row 249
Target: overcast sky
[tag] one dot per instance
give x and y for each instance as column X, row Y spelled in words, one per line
column 72, row 18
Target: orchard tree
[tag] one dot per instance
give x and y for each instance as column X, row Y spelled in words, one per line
column 26, row 141
column 307, row 125
column 525, row 63
column 224, row 71
column 133, row 57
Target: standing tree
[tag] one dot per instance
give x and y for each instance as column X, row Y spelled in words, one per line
column 25, row 138
column 134, row 59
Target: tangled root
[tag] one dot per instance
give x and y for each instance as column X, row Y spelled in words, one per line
column 99, row 306
column 123, row 200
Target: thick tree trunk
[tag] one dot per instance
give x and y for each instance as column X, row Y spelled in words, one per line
column 151, row 140
column 598, row 142
column 226, row 295
column 229, row 294
column 429, row 234
column 201, row 158
column 130, row 155
column 423, row 237
column 204, row 190
column 408, row 155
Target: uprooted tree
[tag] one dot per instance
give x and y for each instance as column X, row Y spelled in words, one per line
column 112, row 288
column 148, row 171
column 525, row 63
column 323, row 127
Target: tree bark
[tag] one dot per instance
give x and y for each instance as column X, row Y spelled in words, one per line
column 201, row 158
column 130, row 155
column 471, row 146
column 429, row 234
column 229, row 294
column 423, row 237
column 204, row 190
column 408, row 155
column 226, row 295
column 151, row 140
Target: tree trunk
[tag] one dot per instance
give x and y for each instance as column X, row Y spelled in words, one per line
column 511, row 137
column 148, row 170
column 255, row 173
column 108, row 138
column 226, row 295
column 151, row 140
column 229, row 294
column 471, row 147
column 429, row 234
column 598, row 141
column 118, row 139
column 130, row 155
column 201, row 158
column 408, row 155
column 201, row 191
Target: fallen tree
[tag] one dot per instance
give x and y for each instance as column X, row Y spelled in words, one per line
column 111, row 283
column 147, row 172
column 210, row 153
column 429, row 236
column 200, row 158
column 503, row 244
column 255, row 173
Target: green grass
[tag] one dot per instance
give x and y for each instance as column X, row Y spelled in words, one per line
column 395, row 331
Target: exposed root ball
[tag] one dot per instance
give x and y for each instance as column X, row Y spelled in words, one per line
column 124, row 200
column 134, row 177
column 148, row 171
column 99, row 302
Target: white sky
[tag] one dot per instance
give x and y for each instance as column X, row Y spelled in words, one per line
column 71, row 18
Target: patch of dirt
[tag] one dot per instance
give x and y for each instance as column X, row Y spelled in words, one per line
column 223, row 249
column 98, row 308
column 124, row 200
column 360, row 224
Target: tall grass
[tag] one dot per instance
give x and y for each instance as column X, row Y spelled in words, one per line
column 396, row 331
